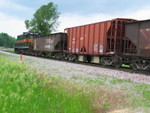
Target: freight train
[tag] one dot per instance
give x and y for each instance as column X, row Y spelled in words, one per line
column 113, row 42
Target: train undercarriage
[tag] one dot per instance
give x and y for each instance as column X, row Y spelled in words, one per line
column 140, row 64
column 136, row 63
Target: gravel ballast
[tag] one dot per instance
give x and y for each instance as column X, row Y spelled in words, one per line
column 72, row 70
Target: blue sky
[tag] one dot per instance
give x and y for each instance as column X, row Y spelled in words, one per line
column 73, row 12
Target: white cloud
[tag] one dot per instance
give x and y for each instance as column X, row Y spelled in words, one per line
column 11, row 25
column 71, row 20
column 7, row 4
column 142, row 14
column 12, row 22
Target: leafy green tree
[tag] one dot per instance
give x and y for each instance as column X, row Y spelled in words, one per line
column 6, row 40
column 45, row 19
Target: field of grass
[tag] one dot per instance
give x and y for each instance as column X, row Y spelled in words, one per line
column 137, row 93
column 26, row 91
column 23, row 90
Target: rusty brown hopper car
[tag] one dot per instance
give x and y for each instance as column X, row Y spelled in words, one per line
column 51, row 45
column 139, row 34
column 96, row 42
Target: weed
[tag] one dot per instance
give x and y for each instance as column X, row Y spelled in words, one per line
column 93, row 81
column 144, row 91
column 118, row 81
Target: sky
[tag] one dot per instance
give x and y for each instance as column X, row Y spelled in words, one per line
column 13, row 13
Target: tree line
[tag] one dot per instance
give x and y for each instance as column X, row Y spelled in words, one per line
column 6, row 40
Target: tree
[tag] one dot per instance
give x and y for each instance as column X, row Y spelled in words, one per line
column 6, row 40
column 45, row 19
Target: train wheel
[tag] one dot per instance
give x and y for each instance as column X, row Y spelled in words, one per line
column 106, row 61
column 49, row 54
column 118, row 63
column 58, row 56
column 134, row 67
column 103, row 62
column 140, row 64
column 72, row 58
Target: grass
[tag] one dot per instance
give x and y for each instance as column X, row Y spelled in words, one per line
column 26, row 91
column 137, row 93
column 117, row 81
column 2, row 47
column 143, row 91
column 9, row 50
column 95, row 81
column 22, row 92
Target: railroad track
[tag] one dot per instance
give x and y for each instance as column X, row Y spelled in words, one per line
column 125, row 69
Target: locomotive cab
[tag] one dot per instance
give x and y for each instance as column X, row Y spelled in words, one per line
column 23, row 43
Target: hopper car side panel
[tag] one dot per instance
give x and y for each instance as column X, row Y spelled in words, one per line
column 101, row 38
column 50, row 43
column 89, row 39
column 139, row 34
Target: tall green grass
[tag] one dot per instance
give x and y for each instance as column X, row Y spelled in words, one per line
column 27, row 91
column 23, row 91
